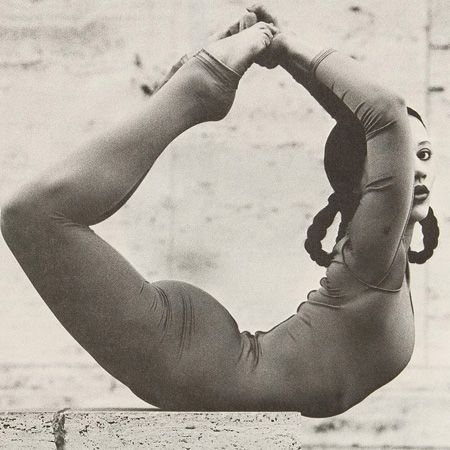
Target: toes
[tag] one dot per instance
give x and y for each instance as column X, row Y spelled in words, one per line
column 262, row 13
column 234, row 29
column 269, row 30
column 267, row 34
column 267, row 40
column 247, row 20
column 265, row 25
column 275, row 30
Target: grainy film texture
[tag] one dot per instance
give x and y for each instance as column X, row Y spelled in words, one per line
column 226, row 207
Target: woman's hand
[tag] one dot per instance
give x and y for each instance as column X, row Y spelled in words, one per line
column 275, row 54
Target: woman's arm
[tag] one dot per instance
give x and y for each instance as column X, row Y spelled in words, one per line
column 246, row 21
column 340, row 85
column 380, row 220
column 279, row 54
column 294, row 59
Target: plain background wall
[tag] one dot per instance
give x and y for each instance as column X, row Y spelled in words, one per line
column 227, row 205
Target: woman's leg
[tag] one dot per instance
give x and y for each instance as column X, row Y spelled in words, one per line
column 94, row 292
column 246, row 21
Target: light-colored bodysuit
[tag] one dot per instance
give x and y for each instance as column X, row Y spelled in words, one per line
column 173, row 344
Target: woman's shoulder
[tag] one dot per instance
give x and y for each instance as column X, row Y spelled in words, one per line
column 340, row 269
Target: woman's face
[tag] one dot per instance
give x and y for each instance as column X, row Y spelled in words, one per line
column 424, row 170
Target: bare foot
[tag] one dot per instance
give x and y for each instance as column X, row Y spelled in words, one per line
column 240, row 50
column 246, row 21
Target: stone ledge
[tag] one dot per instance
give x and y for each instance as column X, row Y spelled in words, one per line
column 149, row 428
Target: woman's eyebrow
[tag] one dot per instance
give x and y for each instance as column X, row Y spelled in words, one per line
column 424, row 143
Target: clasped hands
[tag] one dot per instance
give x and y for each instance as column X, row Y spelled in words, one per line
column 273, row 55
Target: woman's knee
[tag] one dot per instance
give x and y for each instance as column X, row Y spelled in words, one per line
column 22, row 213
column 11, row 217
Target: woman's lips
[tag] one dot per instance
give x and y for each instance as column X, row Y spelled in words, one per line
column 421, row 193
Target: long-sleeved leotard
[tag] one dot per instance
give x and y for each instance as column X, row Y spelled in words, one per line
column 173, row 344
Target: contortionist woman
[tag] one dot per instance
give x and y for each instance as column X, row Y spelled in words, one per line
column 173, row 344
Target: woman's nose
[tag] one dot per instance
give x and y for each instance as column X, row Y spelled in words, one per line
column 420, row 174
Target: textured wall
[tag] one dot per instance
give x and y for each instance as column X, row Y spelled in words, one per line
column 227, row 205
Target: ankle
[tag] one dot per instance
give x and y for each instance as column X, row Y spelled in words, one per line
column 217, row 84
column 227, row 74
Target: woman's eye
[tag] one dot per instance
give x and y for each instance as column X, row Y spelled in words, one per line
column 424, row 154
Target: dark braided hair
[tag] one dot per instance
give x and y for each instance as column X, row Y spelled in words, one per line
column 346, row 207
column 430, row 231
column 345, row 155
column 317, row 231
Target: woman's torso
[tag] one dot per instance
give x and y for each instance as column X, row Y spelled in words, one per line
column 345, row 341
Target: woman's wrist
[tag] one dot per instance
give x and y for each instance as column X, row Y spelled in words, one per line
column 296, row 55
column 285, row 39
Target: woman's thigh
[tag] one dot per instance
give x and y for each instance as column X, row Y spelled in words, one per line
column 170, row 342
column 91, row 289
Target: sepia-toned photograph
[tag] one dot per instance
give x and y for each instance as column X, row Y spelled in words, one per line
column 224, row 224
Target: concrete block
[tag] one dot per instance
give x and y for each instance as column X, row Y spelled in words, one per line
column 150, row 429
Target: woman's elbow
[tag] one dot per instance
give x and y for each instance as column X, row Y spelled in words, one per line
column 386, row 106
column 394, row 104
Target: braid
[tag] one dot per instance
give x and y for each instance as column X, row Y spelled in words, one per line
column 317, row 231
column 347, row 204
column 344, row 159
column 430, row 231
